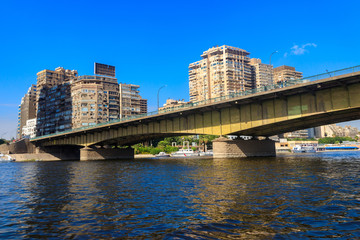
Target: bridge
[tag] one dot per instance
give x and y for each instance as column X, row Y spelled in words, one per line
column 298, row 104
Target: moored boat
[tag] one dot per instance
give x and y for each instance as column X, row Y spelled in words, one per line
column 184, row 153
column 6, row 158
column 162, row 154
column 304, row 149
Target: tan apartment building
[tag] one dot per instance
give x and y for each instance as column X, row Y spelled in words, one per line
column 171, row 103
column 285, row 73
column 262, row 73
column 129, row 100
column 223, row 70
column 53, row 100
column 143, row 106
column 333, row 130
column 304, row 133
column 65, row 100
column 27, row 109
column 95, row 99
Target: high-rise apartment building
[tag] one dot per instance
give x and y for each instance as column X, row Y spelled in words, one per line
column 53, row 100
column 223, row 70
column 95, row 99
column 65, row 100
column 129, row 100
column 262, row 73
column 143, row 106
column 286, row 73
column 27, row 109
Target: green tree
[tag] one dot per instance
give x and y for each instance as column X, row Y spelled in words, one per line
column 155, row 151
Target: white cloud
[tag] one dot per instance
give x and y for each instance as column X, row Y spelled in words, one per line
column 300, row 50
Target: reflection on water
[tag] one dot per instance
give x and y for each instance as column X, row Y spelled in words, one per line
column 291, row 196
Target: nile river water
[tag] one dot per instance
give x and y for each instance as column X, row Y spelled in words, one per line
column 287, row 197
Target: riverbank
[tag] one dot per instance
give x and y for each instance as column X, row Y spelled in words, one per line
column 27, row 157
column 144, row 156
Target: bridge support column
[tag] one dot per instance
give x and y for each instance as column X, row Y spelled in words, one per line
column 226, row 148
column 88, row 153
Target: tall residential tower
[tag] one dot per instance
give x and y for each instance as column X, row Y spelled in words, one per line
column 223, row 70
column 53, row 100
column 262, row 73
column 27, row 109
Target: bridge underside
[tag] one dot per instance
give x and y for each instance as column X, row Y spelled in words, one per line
column 263, row 114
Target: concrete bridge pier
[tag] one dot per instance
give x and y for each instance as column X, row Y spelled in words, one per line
column 57, row 153
column 93, row 153
column 227, row 148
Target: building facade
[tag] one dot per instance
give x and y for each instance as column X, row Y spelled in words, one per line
column 334, row 130
column 143, row 106
column 29, row 129
column 262, row 73
column 171, row 103
column 27, row 109
column 53, row 100
column 223, row 70
column 285, row 73
column 129, row 100
column 95, row 99
column 63, row 100
column 304, row 134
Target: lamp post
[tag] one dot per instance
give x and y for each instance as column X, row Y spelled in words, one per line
column 271, row 72
column 158, row 95
column 271, row 56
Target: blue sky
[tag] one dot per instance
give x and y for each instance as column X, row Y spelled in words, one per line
column 151, row 43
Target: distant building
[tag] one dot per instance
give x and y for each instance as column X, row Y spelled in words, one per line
column 223, row 70
column 304, row 134
column 286, row 73
column 27, row 109
column 95, row 99
column 262, row 73
column 130, row 100
column 333, row 130
column 53, row 100
column 171, row 103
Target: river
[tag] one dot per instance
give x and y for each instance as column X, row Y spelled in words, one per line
column 287, row 197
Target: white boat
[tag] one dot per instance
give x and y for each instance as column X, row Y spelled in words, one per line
column 208, row 153
column 6, row 158
column 162, row 154
column 304, row 149
column 184, row 153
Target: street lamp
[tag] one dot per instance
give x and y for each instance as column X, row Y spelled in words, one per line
column 271, row 56
column 158, row 95
column 271, row 73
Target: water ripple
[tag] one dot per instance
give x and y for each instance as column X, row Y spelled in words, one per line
column 289, row 197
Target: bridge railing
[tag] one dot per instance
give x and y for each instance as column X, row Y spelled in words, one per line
column 219, row 99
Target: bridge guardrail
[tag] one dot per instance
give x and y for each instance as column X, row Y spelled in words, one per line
column 218, row 99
